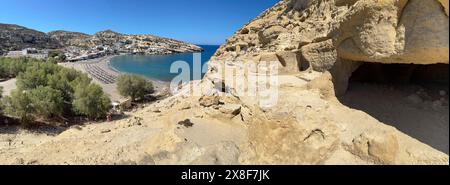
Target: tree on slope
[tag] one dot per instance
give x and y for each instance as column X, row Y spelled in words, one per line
column 91, row 101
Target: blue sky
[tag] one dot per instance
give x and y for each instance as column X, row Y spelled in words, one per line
column 195, row 21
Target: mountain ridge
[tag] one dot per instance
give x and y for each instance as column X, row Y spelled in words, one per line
column 16, row 37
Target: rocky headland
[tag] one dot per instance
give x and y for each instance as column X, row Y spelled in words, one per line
column 78, row 46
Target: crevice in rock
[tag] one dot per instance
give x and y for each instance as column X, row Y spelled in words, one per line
column 316, row 132
column 304, row 64
column 400, row 13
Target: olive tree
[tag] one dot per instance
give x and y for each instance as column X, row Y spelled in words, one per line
column 46, row 90
column 134, row 86
column 91, row 101
column 19, row 105
column 46, row 102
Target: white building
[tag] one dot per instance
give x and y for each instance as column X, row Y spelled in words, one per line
column 29, row 52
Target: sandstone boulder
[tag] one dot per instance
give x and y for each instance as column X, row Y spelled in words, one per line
column 270, row 34
column 291, row 62
column 381, row 147
column 391, row 33
column 230, row 109
column 208, row 101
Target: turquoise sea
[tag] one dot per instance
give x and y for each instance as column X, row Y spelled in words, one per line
column 157, row 67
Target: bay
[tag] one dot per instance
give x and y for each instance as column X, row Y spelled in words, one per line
column 157, row 67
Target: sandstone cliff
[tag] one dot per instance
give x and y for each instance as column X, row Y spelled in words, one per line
column 318, row 45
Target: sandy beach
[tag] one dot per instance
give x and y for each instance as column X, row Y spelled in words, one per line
column 105, row 76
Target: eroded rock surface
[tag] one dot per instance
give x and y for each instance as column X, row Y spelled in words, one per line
column 317, row 45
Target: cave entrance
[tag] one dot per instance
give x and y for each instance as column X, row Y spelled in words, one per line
column 412, row 98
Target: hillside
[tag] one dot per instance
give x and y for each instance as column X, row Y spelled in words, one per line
column 14, row 37
column 76, row 44
column 66, row 38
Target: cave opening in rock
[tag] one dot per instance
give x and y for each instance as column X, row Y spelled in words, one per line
column 412, row 98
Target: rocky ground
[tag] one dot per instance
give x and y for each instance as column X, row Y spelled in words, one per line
column 148, row 136
column 321, row 115
column 318, row 131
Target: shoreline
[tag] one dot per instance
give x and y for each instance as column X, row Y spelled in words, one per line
column 103, row 74
column 154, row 81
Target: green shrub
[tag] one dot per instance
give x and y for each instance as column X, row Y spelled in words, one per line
column 19, row 104
column 46, row 102
column 134, row 86
column 56, row 56
column 36, row 75
column 42, row 102
column 46, row 90
column 66, row 80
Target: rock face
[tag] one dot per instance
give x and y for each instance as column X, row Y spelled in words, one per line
column 329, row 34
column 316, row 44
column 14, row 37
column 388, row 31
column 400, row 31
